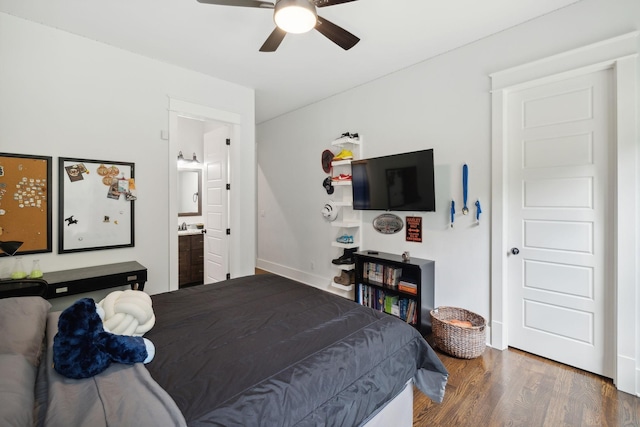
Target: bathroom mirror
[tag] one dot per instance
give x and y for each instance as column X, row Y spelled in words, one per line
column 189, row 191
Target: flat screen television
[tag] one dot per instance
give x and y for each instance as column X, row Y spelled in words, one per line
column 400, row 182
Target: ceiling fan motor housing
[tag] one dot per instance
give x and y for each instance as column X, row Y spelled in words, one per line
column 295, row 16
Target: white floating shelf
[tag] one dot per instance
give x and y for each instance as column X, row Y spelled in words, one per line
column 342, row 287
column 340, row 183
column 341, row 163
column 346, row 224
column 344, row 245
column 343, row 266
column 347, row 140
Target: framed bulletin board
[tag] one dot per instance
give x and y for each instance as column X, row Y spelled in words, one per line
column 96, row 206
column 25, row 208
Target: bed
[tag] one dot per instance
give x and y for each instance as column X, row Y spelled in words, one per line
column 253, row 351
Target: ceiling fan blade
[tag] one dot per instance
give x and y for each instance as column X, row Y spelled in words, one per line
column 338, row 35
column 323, row 3
column 273, row 41
column 243, row 3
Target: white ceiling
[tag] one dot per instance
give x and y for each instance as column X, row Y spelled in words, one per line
column 223, row 41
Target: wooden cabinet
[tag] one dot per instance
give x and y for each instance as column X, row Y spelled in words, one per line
column 190, row 260
column 387, row 283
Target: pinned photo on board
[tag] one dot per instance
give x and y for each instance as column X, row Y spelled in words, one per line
column 131, row 194
column 74, row 173
column 113, row 192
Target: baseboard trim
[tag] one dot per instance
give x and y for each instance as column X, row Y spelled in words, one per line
column 625, row 382
column 316, row 281
column 496, row 335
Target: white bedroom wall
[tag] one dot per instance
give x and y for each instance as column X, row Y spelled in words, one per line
column 443, row 103
column 65, row 96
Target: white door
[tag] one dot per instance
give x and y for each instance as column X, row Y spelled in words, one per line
column 216, row 251
column 560, row 219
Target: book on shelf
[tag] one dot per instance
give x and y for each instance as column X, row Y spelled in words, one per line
column 408, row 287
column 378, row 299
column 411, row 308
column 391, row 304
column 385, row 275
column 408, row 311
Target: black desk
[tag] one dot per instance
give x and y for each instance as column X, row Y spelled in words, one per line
column 10, row 288
column 87, row 279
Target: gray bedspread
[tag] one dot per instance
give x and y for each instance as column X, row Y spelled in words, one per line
column 120, row 396
column 267, row 351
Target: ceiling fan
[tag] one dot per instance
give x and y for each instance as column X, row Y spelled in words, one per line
column 296, row 16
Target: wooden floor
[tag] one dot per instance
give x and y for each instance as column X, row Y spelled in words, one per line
column 513, row 388
column 517, row 389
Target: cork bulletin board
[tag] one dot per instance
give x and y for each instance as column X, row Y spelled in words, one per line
column 25, row 202
column 96, row 206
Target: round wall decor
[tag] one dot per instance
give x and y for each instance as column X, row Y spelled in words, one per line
column 388, row 223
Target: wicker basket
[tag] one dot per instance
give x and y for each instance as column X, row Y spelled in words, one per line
column 458, row 341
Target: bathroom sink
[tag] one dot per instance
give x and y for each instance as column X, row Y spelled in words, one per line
column 189, row 231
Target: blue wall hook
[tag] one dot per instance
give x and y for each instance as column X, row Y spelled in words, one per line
column 453, row 212
column 465, row 188
column 478, row 211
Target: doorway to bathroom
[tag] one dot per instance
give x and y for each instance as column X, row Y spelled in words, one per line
column 203, row 136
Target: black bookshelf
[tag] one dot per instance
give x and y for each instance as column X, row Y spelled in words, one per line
column 384, row 278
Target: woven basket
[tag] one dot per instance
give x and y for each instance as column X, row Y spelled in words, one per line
column 465, row 343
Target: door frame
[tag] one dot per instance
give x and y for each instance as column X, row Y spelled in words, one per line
column 178, row 108
column 619, row 54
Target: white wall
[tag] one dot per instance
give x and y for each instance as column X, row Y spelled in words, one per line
column 443, row 103
column 63, row 95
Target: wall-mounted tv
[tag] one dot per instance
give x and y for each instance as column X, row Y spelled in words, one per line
column 400, row 182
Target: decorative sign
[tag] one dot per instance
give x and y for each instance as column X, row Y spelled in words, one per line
column 414, row 229
column 387, row 223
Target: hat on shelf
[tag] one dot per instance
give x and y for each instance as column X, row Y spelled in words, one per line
column 327, row 157
column 330, row 211
column 327, row 185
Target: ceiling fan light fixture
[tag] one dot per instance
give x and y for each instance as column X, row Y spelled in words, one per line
column 295, row 16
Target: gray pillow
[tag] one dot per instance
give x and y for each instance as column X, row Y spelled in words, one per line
column 23, row 323
column 16, row 390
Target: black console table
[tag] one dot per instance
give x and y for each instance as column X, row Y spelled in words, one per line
column 87, row 279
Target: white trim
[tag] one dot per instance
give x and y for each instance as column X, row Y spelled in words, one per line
column 620, row 54
column 592, row 68
column 320, row 282
column 498, row 225
column 626, row 223
column 607, row 50
column 202, row 112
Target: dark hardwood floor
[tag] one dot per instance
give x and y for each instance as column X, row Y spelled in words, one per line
column 514, row 388
column 517, row 389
